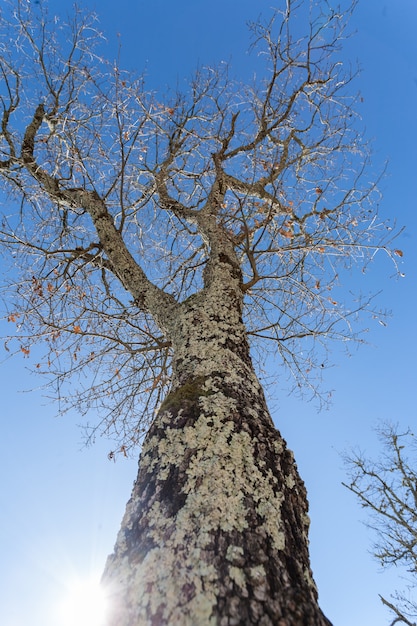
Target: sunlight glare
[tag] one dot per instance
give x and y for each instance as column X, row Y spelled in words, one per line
column 83, row 605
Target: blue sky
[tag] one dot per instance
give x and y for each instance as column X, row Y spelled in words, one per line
column 62, row 505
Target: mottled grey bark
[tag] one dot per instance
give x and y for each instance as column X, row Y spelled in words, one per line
column 216, row 529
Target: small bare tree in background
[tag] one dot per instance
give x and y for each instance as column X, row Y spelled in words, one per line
column 152, row 238
column 387, row 488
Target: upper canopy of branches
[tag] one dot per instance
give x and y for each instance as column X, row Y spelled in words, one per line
column 277, row 165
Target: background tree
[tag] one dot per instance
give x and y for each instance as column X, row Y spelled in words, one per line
column 387, row 488
column 155, row 236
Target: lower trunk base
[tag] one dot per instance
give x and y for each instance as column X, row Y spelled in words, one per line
column 216, row 530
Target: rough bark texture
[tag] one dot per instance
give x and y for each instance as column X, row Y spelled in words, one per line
column 216, row 529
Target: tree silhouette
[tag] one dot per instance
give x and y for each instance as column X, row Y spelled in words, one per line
column 387, row 489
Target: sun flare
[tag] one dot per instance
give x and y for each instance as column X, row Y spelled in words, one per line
column 84, row 604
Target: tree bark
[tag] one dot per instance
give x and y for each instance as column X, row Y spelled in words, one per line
column 216, row 530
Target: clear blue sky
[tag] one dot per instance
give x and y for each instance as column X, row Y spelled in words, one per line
column 61, row 506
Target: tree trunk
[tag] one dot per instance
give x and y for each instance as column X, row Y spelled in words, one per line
column 215, row 532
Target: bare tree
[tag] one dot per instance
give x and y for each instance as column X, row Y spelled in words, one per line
column 387, row 488
column 154, row 238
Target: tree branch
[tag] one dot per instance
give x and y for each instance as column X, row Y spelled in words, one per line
column 147, row 296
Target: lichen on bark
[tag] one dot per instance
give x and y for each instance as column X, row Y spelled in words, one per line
column 186, row 392
column 215, row 532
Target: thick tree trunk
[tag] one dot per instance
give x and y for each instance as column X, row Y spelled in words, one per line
column 215, row 532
